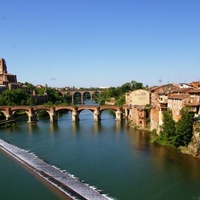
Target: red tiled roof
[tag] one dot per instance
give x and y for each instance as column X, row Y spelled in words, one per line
column 194, row 104
column 194, row 91
column 180, row 90
column 179, row 96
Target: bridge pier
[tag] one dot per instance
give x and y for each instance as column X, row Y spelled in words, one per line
column 32, row 118
column 119, row 115
column 75, row 116
column 8, row 117
column 97, row 115
column 127, row 111
column 53, row 118
column 82, row 99
column 8, row 114
column 53, row 115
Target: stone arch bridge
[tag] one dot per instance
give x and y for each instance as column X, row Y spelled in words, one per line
column 32, row 111
column 81, row 92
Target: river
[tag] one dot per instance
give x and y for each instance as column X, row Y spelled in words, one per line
column 109, row 155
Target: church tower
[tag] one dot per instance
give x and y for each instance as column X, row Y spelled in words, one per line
column 6, row 79
column 3, row 70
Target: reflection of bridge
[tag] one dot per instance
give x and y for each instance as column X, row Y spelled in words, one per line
column 32, row 111
column 81, row 92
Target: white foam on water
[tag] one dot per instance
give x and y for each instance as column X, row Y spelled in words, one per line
column 61, row 179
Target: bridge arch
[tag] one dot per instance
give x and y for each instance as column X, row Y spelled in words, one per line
column 6, row 111
column 18, row 112
column 104, row 111
column 30, row 111
column 77, row 94
column 3, row 114
column 85, row 93
column 92, row 109
column 39, row 110
column 67, row 108
column 88, row 113
column 95, row 93
column 118, row 111
column 72, row 109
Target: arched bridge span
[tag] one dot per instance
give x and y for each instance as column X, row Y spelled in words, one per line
column 82, row 93
column 32, row 111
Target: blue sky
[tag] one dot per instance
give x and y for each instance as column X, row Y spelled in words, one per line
column 95, row 43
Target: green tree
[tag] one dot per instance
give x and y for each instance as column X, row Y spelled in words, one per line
column 125, row 88
column 40, row 90
column 67, row 99
column 136, row 85
column 169, row 125
column 13, row 97
column 118, row 92
column 3, row 101
column 184, row 128
column 168, row 132
column 54, row 96
column 29, row 86
column 120, row 100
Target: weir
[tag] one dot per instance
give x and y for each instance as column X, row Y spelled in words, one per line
column 67, row 183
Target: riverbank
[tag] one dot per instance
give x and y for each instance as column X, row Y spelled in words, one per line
column 65, row 182
column 193, row 148
column 7, row 123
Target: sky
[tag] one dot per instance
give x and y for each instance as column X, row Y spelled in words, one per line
column 100, row 43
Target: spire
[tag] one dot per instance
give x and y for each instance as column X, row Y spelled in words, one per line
column 45, row 90
column 3, row 67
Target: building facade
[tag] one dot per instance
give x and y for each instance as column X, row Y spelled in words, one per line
column 7, row 80
column 137, row 101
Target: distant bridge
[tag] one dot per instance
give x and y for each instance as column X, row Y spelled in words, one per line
column 81, row 92
column 32, row 111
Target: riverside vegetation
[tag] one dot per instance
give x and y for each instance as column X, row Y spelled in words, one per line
column 183, row 135
column 24, row 97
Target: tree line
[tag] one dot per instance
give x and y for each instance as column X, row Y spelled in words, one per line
column 176, row 134
column 25, row 96
column 118, row 93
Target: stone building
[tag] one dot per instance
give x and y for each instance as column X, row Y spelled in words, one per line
column 137, row 97
column 173, row 98
column 7, row 80
column 137, row 101
column 195, row 102
column 176, row 103
column 189, row 97
column 161, row 98
column 158, row 102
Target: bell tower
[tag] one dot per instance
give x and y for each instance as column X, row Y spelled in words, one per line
column 3, row 68
column 9, row 80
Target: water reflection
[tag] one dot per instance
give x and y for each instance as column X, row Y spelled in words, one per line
column 53, row 128
column 97, row 127
column 32, row 128
column 75, row 127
